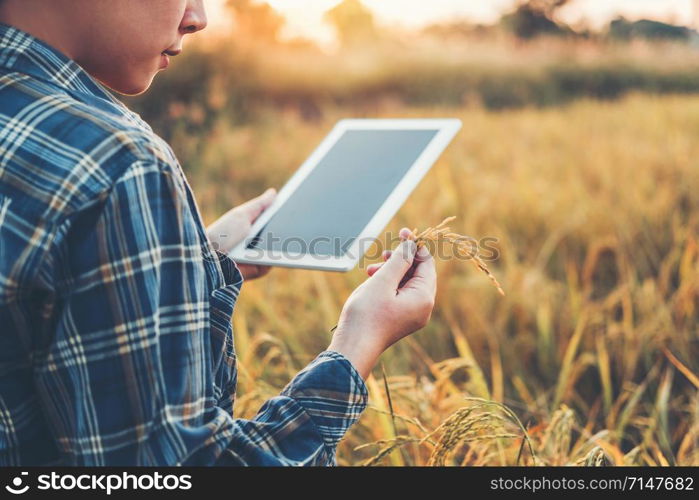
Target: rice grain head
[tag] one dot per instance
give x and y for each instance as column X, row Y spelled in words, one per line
column 460, row 243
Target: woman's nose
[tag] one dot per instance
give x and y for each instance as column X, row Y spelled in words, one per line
column 194, row 17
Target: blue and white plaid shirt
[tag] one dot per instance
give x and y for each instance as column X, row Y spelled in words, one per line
column 116, row 344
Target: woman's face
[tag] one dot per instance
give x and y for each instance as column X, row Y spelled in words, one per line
column 124, row 43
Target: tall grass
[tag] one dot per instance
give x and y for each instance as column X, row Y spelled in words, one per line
column 592, row 356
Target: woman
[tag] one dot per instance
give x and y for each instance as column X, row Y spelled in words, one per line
column 115, row 300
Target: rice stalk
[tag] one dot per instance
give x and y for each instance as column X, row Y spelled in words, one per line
column 475, row 423
column 596, row 458
column 557, row 438
column 393, row 444
column 441, row 230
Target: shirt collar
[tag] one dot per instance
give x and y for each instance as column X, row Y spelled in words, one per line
column 23, row 53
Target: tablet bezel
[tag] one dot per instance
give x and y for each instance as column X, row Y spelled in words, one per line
column 446, row 130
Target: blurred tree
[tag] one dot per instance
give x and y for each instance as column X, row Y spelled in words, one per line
column 353, row 22
column 621, row 29
column 256, row 21
column 535, row 17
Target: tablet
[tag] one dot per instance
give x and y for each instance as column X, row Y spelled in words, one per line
column 334, row 206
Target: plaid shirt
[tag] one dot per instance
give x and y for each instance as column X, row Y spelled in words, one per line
column 116, row 344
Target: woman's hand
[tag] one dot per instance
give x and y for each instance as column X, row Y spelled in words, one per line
column 395, row 301
column 234, row 226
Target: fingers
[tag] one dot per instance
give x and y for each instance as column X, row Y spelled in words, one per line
column 263, row 271
column 424, row 275
column 371, row 269
column 252, row 271
column 398, row 263
column 253, row 208
column 404, row 233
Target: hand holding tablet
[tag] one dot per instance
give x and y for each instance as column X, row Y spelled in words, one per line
column 235, row 225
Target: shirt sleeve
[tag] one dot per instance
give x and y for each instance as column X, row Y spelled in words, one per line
column 127, row 375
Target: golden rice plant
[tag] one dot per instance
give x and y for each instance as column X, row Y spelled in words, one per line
column 482, row 426
column 596, row 458
column 594, row 347
column 460, row 243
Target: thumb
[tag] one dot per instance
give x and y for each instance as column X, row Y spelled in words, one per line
column 259, row 204
column 398, row 264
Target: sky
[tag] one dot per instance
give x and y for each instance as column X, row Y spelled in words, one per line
column 305, row 17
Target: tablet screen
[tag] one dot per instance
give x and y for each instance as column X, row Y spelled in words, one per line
column 331, row 207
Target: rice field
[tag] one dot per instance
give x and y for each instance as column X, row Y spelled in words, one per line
column 591, row 357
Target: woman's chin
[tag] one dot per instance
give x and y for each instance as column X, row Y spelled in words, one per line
column 135, row 85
